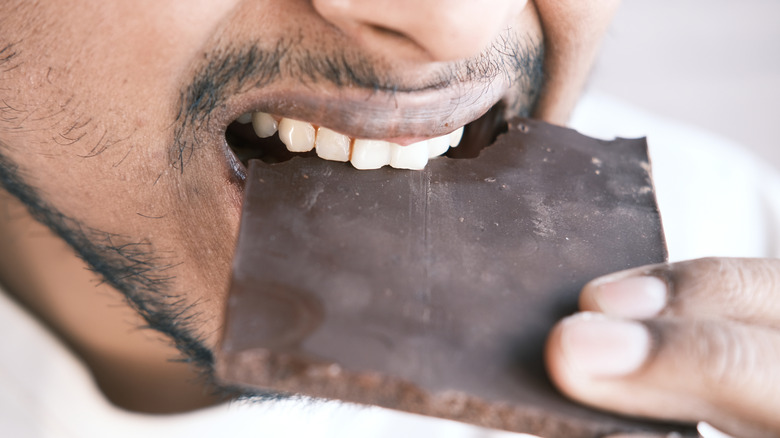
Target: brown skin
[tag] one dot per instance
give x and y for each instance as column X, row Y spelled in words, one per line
column 89, row 115
column 94, row 74
column 714, row 345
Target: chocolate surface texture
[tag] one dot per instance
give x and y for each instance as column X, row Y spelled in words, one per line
column 433, row 291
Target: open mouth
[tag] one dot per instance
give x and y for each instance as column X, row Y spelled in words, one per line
column 274, row 139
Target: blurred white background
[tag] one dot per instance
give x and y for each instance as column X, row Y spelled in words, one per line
column 710, row 63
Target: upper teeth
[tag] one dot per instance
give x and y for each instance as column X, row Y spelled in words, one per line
column 264, row 125
column 331, row 145
column 363, row 154
column 297, row 136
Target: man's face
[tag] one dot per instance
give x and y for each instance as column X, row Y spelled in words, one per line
column 113, row 114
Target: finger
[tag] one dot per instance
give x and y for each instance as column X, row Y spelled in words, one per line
column 745, row 290
column 721, row 372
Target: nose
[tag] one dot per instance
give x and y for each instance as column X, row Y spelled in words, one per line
column 443, row 30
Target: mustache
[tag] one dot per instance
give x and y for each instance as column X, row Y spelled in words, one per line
column 228, row 71
column 236, row 69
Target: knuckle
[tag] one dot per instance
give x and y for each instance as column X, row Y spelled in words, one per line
column 739, row 286
column 719, row 355
column 727, row 357
column 691, row 281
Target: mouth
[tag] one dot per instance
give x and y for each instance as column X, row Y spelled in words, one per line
column 273, row 139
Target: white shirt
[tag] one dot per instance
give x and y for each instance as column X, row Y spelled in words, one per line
column 715, row 200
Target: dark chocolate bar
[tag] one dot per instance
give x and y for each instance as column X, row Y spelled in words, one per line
column 433, row 291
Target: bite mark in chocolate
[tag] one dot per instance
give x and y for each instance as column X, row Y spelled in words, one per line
column 433, row 291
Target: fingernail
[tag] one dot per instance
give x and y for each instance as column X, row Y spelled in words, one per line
column 601, row 347
column 632, row 297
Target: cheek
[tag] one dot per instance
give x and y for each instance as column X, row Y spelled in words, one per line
column 579, row 21
column 573, row 30
column 97, row 91
column 201, row 228
column 130, row 197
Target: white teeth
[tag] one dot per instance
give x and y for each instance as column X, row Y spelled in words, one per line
column 370, row 154
column 438, row 145
column 330, row 145
column 244, row 118
column 296, row 135
column 364, row 154
column 413, row 156
column 264, row 124
column 455, row 137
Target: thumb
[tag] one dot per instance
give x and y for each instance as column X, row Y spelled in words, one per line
column 721, row 372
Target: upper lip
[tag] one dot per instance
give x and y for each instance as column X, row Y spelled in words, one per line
column 400, row 117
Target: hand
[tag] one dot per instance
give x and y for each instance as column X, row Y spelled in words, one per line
column 690, row 341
